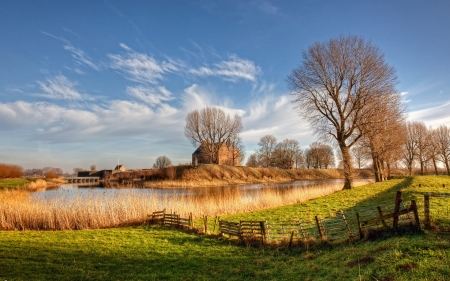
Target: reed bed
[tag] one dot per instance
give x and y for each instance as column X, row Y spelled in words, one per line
column 21, row 211
column 38, row 184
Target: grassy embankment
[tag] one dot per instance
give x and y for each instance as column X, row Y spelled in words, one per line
column 23, row 184
column 154, row 253
column 217, row 175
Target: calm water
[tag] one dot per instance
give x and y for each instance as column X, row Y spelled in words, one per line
column 71, row 190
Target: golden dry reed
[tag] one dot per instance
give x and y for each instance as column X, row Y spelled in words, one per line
column 20, row 211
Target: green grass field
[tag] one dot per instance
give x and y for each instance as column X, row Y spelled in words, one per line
column 159, row 253
column 13, row 183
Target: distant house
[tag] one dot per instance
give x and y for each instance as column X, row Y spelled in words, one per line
column 227, row 155
column 120, row 168
column 103, row 174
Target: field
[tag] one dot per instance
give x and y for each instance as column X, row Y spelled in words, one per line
column 13, row 183
column 159, row 253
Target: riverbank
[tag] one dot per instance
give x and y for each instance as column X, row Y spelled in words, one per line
column 220, row 175
column 29, row 184
column 161, row 253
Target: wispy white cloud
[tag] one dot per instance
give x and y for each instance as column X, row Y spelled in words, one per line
column 59, row 87
column 140, row 67
column 56, row 37
column 432, row 116
column 151, row 96
column 232, row 69
column 80, row 57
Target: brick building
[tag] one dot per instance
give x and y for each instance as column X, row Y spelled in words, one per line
column 227, row 156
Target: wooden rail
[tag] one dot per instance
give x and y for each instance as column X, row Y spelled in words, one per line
column 426, row 207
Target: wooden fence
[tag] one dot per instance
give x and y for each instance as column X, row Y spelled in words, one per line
column 429, row 220
column 342, row 226
column 171, row 219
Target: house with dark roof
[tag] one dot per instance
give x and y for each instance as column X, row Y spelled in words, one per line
column 120, row 168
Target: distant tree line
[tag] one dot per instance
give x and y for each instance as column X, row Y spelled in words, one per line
column 48, row 172
column 288, row 154
column 319, row 156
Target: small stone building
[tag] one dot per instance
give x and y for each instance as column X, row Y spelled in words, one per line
column 226, row 154
column 120, row 168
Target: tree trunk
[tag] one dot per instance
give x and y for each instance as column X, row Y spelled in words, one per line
column 421, row 164
column 435, row 166
column 388, row 171
column 346, row 161
column 447, row 166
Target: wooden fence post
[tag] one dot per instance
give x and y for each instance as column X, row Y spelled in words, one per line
column 191, row 221
column 381, row 215
column 320, row 228
column 292, row 238
column 205, row 223
column 398, row 200
column 416, row 213
column 263, row 230
column 358, row 220
column 426, row 207
column 350, row 234
column 215, row 223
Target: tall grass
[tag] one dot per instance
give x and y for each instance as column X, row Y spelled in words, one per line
column 20, row 211
column 215, row 175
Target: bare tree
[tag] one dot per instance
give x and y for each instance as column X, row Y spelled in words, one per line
column 211, row 127
column 432, row 151
column 266, row 150
column 337, row 83
column 384, row 136
column 252, row 160
column 360, row 154
column 236, row 150
column 420, row 136
column 409, row 147
column 320, row 156
column 162, row 162
column 442, row 139
column 284, row 154
column 57, row 171
column 93, row 167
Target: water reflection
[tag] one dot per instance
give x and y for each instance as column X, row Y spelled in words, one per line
column 251, row 190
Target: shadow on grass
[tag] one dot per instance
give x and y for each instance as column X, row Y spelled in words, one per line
column 127, row 254
column 386, row 196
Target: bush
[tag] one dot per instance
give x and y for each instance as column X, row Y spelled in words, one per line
column 10, row 171
column 51, row 175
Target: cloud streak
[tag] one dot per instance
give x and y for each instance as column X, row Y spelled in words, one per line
column 59, row 87
column 232, row 69
column 151, row 96
column 140, row 67
column 81, row 58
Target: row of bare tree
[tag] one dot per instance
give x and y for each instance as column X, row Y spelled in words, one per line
column 285, row 154
column 288, row 154
column 410, row 144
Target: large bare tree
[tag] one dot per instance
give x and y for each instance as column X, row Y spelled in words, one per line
column 337, row 83
column 211, row 127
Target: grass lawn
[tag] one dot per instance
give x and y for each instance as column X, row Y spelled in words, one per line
column 12, row 183
column 158, row 253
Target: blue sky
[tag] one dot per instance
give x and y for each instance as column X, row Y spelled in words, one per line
column 91, row 82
